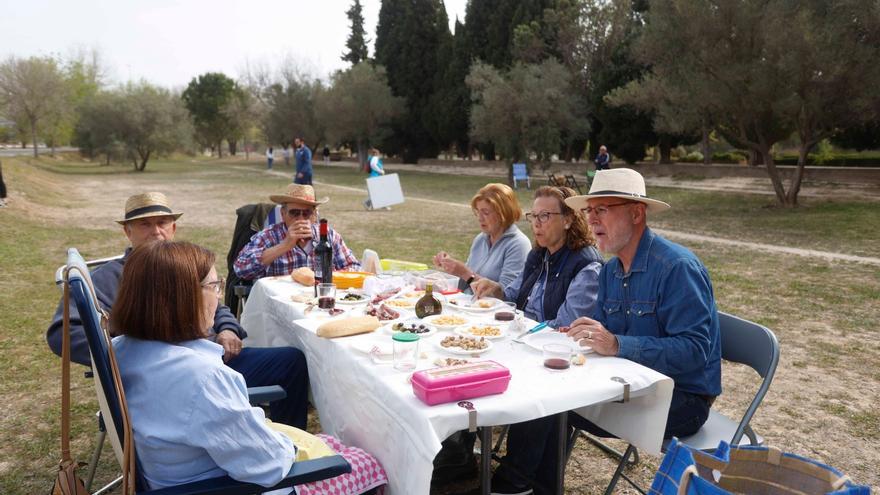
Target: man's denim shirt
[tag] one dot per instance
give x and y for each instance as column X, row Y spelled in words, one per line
column 663, row 313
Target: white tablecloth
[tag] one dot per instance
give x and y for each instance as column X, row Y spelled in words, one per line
column 372, row 406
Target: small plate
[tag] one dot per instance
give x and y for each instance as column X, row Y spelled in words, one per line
column 539, row 339
column 466, row 330
column 362, row 299
column 483, row 305
column 412, row 321
column 454, row 321
column 465, row 352
column 400, row 303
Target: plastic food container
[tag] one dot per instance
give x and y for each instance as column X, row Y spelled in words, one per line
column 350, row 280
column 459, row 382
column 406, row 351
column 402, row 266
column 443, row 282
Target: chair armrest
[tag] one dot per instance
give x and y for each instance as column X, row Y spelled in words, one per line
column 261, row 395
column 301, row 472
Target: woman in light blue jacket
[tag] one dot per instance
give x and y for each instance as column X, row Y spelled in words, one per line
column 499, row 252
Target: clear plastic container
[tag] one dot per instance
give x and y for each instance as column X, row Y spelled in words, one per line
column 406, row 351
column 442, row 281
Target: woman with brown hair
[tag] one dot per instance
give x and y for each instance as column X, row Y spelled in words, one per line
column 190, row 414
column 559, row 283
column 499, row 251
column 560, row 279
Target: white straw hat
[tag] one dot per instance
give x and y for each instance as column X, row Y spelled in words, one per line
column 621, row 183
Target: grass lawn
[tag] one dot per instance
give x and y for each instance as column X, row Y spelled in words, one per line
column 826, row 315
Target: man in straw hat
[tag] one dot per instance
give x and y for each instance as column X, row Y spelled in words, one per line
column 287, row 245
column 149, row 217
column 655, row 306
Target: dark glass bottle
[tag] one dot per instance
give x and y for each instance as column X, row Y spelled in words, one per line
column 428, row 304
column 324, row 256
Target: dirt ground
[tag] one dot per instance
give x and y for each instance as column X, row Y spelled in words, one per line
column 847, row 394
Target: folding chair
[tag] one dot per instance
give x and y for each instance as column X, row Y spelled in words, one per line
column 571, row 182
column 521, row 173
column 80, row 282
column 743, row 342
column 552, row 180
column 250, row 219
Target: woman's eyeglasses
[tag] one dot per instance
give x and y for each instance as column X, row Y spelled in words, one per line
column 542, row 217
column 217, row 285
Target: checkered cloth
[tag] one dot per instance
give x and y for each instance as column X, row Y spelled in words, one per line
column 366, row 473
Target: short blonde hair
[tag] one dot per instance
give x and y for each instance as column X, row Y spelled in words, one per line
column 502, row 199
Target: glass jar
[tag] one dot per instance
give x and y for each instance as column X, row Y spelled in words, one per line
column 406, row 351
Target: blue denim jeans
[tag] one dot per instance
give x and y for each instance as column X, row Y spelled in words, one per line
column 532, row 449
column 305, row 179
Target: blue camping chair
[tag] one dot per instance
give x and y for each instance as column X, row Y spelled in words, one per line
column 521, row 173
column 743, row 342
column 111, row 410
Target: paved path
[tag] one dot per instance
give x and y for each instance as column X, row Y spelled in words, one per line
column 769, row 248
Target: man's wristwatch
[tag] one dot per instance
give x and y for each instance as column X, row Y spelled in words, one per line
column 470, row 281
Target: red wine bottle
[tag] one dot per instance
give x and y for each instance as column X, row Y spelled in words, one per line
column 324, row 255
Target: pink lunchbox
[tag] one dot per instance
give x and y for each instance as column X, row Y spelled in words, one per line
column 459, row 382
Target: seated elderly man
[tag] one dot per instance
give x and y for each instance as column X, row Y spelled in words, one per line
column 149, row 217
column 655, row 306
column 290, row 244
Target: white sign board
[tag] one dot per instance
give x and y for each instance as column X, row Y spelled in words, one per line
column 384, row 190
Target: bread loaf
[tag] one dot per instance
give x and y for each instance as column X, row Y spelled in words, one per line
column 304, row 276
column 348, row 326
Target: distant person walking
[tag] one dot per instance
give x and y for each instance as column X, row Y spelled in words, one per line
column 286, row 154
column 326, row 154
column 270, row 157
column 2, row 188
column 603, row 159
column 303, row 163
column 376, row 166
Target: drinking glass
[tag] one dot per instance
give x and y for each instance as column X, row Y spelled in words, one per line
column 326, row 296
column 557, row 356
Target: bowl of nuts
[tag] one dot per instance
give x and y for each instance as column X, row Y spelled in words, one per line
column 458, row 344
column 491, row 332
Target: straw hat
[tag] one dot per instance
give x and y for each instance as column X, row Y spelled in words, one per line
column 298, row 193
column 621, row 183
column 151, row 204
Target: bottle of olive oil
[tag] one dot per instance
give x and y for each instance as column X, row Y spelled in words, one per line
column 428, row 304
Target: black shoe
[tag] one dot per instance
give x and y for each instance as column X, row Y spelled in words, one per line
column 446, row 473
column 501, row 486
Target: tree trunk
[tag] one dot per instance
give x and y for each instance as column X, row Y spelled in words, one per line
column 34, row 137
column 233, row 146
column 665, row 151
column 144, row 158
column 108, row 160
column 362, row 154
column 220, row 149
column 773, row 172
column 794, row 188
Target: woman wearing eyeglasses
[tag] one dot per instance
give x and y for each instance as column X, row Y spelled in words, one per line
column 559, row 283
column 560, row 278
column 190, row 415
column 499, row 251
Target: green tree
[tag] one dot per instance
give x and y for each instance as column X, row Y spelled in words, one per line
column 33, row 94
column 151, row 121
column 205, row 97
column 409, row 37
column 96, row 128
column 357, row 41
column 761, row 70
column 524, row 111
column 362, row 106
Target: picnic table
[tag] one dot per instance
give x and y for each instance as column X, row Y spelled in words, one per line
column 372, row 405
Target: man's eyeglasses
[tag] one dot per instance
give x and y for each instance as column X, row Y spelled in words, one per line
column 218, row 285
column 542, row 217
column 297, row 213
column 602, row 210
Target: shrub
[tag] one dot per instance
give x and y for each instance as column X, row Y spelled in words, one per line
column 734, row 156
column 692, row 157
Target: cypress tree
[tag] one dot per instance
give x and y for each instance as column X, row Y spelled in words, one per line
column 357, row 40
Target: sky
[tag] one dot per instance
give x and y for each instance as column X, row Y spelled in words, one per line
column 169, row 42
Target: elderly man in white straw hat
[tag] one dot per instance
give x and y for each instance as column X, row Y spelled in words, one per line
column 149, row 217
column 655, row 306
column 287, row 245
